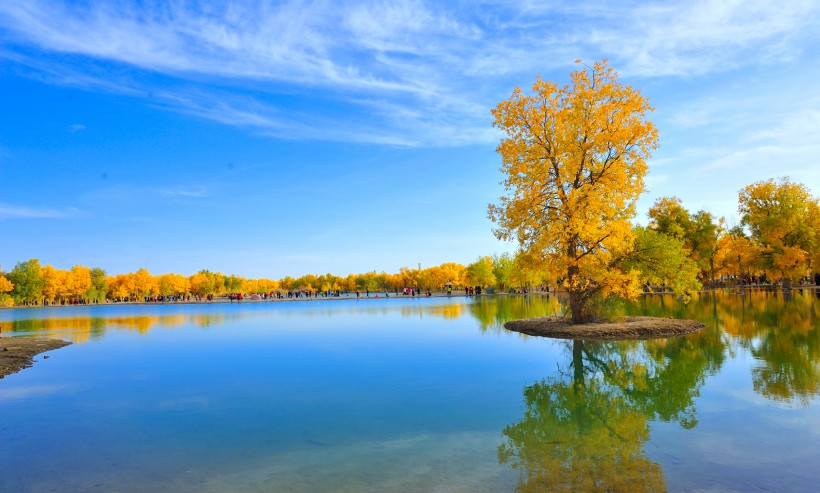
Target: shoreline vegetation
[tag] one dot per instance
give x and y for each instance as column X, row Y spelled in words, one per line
column 377, row 295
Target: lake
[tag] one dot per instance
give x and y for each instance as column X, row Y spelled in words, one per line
column 412, row 395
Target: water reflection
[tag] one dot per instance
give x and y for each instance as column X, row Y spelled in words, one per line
column 83, row 329
column 781, row 332
column 492, row 313
column 585, row 428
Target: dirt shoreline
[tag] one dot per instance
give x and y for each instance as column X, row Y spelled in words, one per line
column 625, row 328
column 17, row 353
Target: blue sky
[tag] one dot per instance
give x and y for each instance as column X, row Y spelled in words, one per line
column 280, row 138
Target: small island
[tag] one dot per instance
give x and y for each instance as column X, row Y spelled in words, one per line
column 620, row 329
column 17, row 353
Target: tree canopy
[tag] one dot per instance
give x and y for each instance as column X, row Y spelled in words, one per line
column 574, row 161
column 783, row 219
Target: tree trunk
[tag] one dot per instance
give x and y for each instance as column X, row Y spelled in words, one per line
column 576, row 307
column 712, row 269
column 576, row 303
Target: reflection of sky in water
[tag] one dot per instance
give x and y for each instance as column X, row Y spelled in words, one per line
column 391, row 395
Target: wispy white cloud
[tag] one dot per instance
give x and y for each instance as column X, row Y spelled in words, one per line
column 690, row 38
column 128, row 195
column 76, row 127
column 184, row 192
column 421, row 73
column 10, row 211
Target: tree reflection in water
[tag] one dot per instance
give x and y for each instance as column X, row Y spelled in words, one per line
column 781, row 330
column 585, row 429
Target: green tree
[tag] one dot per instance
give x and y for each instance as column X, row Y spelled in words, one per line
column 663, row 260
column 668, row 216
column 99, row 285
column 480, row 272
column 28, row 281
column 700, row 232
column 503, row 266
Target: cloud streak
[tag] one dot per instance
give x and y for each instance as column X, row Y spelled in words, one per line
column 423, row 73
column 10, row 211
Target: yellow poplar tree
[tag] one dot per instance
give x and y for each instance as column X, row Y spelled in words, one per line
column 55, row 281
column 145, row 284
column 574, row 161
column 5, row 285
column 78, row 281
column 121, row 286
column 173, row 284
column 782, row 217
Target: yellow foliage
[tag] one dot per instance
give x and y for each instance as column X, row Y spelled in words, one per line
column 173, row 284
column 201, row 284
column 574, row 161
column 121, row 286
column 5, row 284
column 783, row 219
column 78, row 281
column 55, row 281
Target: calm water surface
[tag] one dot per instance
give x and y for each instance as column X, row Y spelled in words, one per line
column 412, row 395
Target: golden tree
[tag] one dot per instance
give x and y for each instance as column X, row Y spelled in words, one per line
column 5, row 287
column 78, row 281
column 783, row 218
column 5, row 284
column 574, row 160
column 55, row 281
column 145, row 284
column 173, row 284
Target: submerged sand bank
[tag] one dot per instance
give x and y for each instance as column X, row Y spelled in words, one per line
column 17, row 353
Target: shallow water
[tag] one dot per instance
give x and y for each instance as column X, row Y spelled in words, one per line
column 412, row 395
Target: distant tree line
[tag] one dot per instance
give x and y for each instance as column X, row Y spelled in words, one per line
column 30, row 283
column 778, row 237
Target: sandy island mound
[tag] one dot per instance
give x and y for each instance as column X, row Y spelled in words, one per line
column 624, row 328
column 17, row 353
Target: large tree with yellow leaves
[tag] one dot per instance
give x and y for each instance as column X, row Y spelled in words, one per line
column 574, row 161
column 783, row 218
